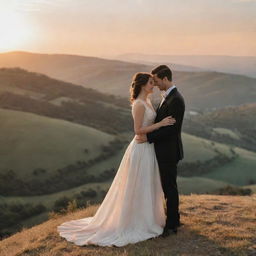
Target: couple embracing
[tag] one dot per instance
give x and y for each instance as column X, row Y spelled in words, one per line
column 133, row 209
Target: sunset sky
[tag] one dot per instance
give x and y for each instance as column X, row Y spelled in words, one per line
column 112, row 27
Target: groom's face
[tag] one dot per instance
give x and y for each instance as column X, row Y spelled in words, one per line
column 159, row 83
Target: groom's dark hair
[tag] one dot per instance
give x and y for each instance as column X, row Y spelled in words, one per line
column 162, row 71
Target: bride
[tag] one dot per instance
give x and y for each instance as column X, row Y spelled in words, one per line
column 133, row 209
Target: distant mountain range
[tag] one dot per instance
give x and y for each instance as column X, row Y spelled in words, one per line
column 202, row 90
column 241, row 65
column 105, row 75
column 209, row 90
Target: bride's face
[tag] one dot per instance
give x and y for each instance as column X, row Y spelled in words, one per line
column 148, row 88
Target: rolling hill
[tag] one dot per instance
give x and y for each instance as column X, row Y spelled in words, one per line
column 231, row 125
column 40, row 142
column 91, row 72
column 43, row 146
column 40, row 94
column 41, row 155
column 217, row 161
column 209, row 90
column 201, row 89
column 243, row 65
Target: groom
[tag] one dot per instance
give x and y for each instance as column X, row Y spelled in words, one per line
column 168, row 144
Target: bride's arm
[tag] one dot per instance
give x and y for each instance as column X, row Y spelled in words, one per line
column 139, row 110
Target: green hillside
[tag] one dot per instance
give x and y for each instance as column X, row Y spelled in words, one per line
column 217, row 161
column 31, row 141
column 200, row 149
column 42, row 95
column 41, row 155
column 231, row 125
column 199, row 153
column 43, row 143
column 240, row 171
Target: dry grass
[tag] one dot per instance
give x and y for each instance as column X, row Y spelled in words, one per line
column 214, row 225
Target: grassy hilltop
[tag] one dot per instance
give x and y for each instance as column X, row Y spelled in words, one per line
column 214, row 225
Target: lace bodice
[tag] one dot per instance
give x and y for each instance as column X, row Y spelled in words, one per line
column 149, row 115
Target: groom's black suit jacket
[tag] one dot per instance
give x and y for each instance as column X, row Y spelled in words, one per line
column 167, row 140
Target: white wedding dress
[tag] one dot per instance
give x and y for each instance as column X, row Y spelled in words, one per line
column 133, row 208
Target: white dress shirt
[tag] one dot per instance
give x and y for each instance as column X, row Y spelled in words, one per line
column 165, row 94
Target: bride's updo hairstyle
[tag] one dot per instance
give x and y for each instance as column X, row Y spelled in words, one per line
column 138, row 81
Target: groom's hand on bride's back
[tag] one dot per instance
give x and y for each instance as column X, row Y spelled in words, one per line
column 141, row 138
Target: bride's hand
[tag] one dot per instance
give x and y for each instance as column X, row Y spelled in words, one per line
column 169, row 120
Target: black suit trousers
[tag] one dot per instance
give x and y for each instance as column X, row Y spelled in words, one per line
column 168, row 174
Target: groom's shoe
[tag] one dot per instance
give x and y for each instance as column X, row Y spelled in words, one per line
column 165, row 232
column 174, row 230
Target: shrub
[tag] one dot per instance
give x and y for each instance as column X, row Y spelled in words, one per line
column 61, row 204
column 231, row 190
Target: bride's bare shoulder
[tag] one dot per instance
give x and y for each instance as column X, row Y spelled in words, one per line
column 138, row 105
column 137, row 102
